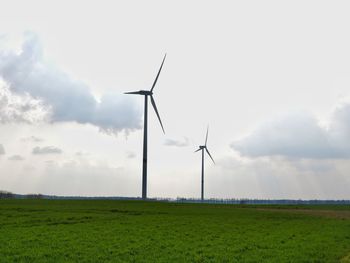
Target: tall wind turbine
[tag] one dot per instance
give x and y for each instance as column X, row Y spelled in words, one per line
column 202, row 148
column 147, row 93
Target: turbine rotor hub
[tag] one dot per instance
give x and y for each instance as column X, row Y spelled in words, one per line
column 146, row 92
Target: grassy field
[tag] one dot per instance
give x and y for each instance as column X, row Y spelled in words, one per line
column 135, row 231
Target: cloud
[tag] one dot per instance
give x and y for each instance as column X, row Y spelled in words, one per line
column 80, row 154
column 47, row 150
column 32, row 139
column 2, row 149
column 16, row 158
column 67, row 100
column 177, row 143
column 300, row 135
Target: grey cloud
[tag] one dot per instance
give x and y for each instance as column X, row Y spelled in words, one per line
column 115, row 113
column 130, row 155
column 32, row 139
column 29, row 168
column 339, row 127
column 2, row 149
column 47, row 150
column 68, row 100
column 16, row 158
column 177, row 143
column 300, row 136
column 81, row 154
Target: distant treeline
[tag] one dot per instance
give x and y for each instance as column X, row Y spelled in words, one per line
column 9, row 195
column 6, row 194
column 265, row 201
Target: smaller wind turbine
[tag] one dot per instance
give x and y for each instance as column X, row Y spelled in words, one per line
column 202, row 148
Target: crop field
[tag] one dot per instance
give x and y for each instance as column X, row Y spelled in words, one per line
column 135, row 231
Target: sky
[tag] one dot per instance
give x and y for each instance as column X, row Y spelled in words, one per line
column 270, row 78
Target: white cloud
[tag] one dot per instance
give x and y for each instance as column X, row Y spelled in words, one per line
column 300, row 135
column 20, row 109
column 46, row 150
column 28, row 75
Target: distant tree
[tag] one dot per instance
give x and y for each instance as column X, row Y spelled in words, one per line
column 243, row 201
column 34, row 196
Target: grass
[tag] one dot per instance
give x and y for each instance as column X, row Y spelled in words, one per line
column 135, row 231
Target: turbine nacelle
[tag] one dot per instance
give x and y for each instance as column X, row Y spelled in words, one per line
column 204, row 147
column 141, row 92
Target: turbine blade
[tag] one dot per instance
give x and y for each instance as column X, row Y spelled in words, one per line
column 206, row 137
column 198, row 150
column 209, row 155
column 155, row 81
column 155, row 109
column 132, row 92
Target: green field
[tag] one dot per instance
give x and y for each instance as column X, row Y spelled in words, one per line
column 135, row 231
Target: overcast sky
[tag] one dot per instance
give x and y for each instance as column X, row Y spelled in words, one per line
column 271, row 78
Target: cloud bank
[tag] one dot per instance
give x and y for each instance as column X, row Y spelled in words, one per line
column 278, row 178
column 28, row 75
column 300, row 135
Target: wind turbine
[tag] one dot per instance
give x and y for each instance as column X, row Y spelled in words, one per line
column 147, row 93
column 202, row 148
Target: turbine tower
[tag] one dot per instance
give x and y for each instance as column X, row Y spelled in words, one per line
column 202, row 148
column 147, row 93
